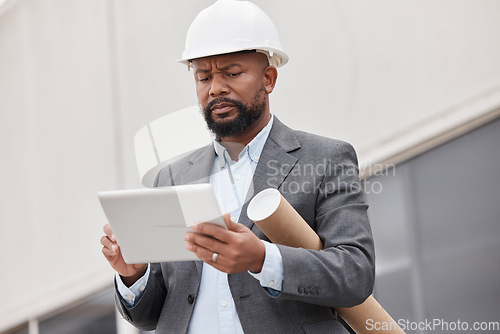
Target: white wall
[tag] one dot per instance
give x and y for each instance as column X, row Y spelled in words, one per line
column 372, row 68
column 57, row 151
column 79, row 78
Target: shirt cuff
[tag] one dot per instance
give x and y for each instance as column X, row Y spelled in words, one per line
column 271, row 275
column 131, row 295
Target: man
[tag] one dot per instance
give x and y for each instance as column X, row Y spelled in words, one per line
column 244, row 283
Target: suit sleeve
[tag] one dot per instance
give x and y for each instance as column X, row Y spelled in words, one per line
column 145, row 314
column 343, row 273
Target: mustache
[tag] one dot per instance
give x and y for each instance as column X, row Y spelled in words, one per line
column 211, row 104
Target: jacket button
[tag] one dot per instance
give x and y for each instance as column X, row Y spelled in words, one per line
column 190, row 299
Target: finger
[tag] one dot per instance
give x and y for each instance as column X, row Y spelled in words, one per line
column 108, row 253
column 111, row 254
column 232, row 225
column 212, row 230
column 109, row 232
column 206, row 256
column 107, row 243
column 227, row 220
column 204, row 241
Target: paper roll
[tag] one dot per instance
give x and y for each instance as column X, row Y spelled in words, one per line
column 279, row 221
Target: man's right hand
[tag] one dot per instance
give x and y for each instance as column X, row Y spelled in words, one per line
column 130, row 273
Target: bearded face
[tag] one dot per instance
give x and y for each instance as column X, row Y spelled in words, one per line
column 232, row 91
column 245, row 114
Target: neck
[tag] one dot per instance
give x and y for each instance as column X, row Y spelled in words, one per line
column 235, row 144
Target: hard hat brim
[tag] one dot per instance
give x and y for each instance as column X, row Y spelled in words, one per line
column 276, row 57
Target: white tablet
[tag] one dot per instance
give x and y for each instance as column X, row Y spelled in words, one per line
column 149, row 224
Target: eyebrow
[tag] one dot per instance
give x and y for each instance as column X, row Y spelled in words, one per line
column 201, row 70
column 227, row 67
column 224, row 68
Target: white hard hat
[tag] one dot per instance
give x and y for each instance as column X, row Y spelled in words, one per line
column 230, row 26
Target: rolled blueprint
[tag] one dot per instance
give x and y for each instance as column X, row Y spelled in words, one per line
column 279, row 221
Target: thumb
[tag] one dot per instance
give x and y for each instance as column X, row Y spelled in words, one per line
column 232, row 226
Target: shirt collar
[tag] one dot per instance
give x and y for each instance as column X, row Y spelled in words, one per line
column 253, row 148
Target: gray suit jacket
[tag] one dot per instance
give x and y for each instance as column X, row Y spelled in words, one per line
column 318, row 176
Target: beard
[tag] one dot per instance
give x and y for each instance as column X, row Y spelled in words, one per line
column 246, row 115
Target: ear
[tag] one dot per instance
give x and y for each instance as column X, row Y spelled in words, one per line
column 270, row 77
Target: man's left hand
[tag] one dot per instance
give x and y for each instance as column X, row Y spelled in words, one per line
column 237, row 247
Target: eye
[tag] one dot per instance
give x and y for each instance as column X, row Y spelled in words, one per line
column 233, row 75
column 203, row 79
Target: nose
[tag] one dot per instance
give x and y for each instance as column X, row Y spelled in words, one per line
column 218, row 86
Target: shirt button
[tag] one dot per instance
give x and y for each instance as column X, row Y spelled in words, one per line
column 223, row 303
column 256, row 157
column 237, row 176
column 129, row 296
column 233, row 219
column 141, row 289
column 271, row 284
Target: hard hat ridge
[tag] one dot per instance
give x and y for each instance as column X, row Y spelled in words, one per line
column 230, row 26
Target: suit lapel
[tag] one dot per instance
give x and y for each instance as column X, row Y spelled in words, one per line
column 199, row 266
column 274, row 165
column 199, row 168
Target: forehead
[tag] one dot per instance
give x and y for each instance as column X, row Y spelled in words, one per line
column 245, row 59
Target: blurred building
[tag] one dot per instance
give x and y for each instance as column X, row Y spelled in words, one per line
column 413, row 85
